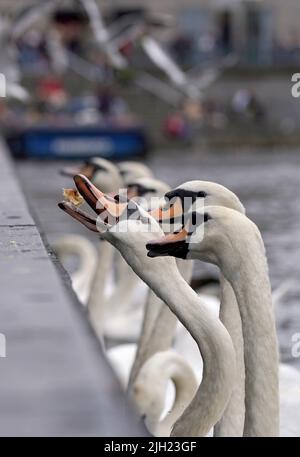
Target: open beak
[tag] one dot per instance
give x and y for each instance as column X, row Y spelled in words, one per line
column 105, row 206
column 97, row 200
column 174, row 244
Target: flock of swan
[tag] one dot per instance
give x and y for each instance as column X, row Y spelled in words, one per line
column 135, row 286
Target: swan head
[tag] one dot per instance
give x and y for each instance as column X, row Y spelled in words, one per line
column 101, row 172
column 215, row 234
column 123, row 222
column 128, row 227
column 193, row 195
column 131, row 170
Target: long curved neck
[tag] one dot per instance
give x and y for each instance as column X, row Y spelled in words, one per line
column 186, row 386
column 159, row 325
column 232, row 422
column 176, row 369
column 80, row 246
column 210, row 335
column 253, row 292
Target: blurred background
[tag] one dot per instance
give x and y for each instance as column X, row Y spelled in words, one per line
column 197, row 89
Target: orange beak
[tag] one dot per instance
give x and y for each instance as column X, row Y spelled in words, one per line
column 104, row 205
column 168, row 213
column 174, row 244
column 97, row 200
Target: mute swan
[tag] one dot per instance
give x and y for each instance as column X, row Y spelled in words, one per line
column 117, row 319
column 233, row 242
column 102, row 171
column 129, row 236
column 101, row 305
column 123, row 316
column 179, row 200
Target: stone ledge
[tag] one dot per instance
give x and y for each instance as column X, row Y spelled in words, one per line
column 54, row 381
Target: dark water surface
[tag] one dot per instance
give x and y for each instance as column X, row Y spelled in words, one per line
column 267, row 182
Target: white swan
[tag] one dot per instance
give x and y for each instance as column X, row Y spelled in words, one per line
column 130, row 236
column 102, row 171
column 163, row 326
column 119, row 317
column 234, row 243
column 106, row 320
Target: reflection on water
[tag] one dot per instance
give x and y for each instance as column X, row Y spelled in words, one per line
column 267, row 182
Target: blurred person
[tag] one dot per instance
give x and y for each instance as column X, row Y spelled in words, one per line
column 246, row 103
column 182, row 48
column 110, row 105
column 51, row 92
column 175, row 126
column 33, row 56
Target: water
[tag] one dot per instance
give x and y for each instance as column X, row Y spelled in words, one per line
column 267, row 182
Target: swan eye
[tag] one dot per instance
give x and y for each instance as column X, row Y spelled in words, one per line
column 201, row 194
column 207, row 217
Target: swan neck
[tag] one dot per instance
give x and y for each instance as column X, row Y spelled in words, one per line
column 253, row 292
column 185, row 384
column 232, row 422
column 216, row 349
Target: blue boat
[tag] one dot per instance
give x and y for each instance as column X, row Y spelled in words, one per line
column 79, row 143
